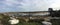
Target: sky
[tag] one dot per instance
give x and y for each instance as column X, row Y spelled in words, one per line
column 28, row 5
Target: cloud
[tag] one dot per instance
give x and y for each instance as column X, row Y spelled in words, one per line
column 55, row 5
column 35, row 5
column 27, row 5
column 10, row 5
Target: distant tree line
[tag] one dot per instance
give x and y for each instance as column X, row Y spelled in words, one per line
column 54, row 13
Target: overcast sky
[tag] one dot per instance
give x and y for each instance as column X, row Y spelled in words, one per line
column 28, row 5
